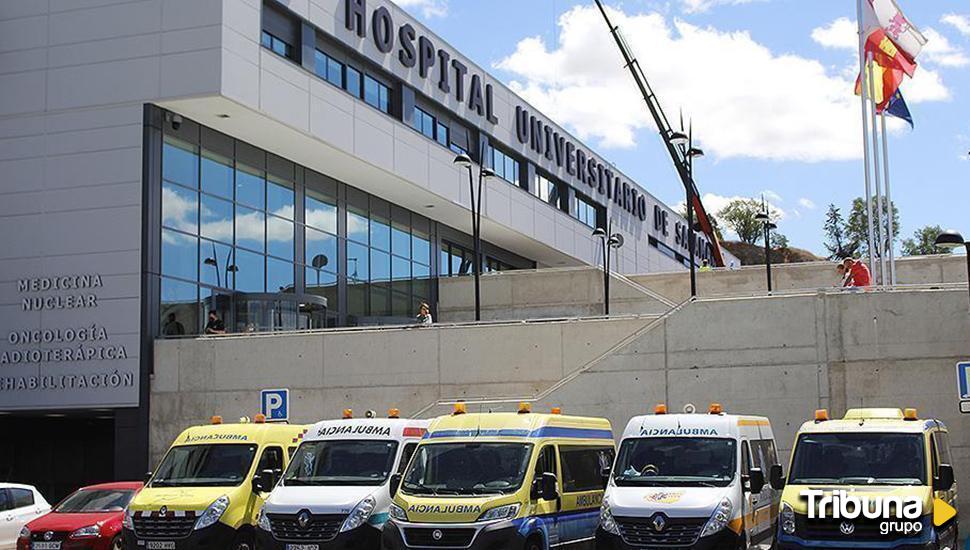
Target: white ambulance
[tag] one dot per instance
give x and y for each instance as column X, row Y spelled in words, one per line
column 335, row 492
column 691, row 480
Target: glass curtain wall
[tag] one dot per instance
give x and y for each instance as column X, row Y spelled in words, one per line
column 239, row 222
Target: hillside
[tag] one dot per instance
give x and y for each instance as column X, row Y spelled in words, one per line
column 752, row 254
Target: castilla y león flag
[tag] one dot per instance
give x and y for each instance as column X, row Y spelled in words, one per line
column 893, row 43
column 886, row 15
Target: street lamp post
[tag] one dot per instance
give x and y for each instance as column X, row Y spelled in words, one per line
column 950, row 240
column 609, row 241
column 684, row 143
column 765, row 219
column 464, row 161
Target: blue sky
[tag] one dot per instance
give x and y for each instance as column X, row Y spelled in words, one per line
column 768, row 84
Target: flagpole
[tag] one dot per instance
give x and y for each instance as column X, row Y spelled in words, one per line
column 889, row 201
column 865, row 129
column 881, row 227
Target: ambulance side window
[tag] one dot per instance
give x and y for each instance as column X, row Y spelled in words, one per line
column 771, row 454
column 406, row 455
column 745, row 458
column 272, row 459
column 942, row 446
column 934, row 456
column 546, row 464
column 5, row 503
column 582, row 467
column 289, row 452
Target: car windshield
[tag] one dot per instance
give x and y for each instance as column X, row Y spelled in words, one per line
column 859, row 459
column 95, row 500
column 341, row 463
column 467, row 468
column 676, row 462
column 222, row 465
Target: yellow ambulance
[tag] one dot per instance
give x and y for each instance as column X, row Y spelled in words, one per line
column 210, row 486
column 502, row 480
column 875, row 479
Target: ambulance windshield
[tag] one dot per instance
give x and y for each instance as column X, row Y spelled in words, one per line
column 222, row 465
column 467, row 468
column 859, row 459
column 676, row 462
column 350, row 462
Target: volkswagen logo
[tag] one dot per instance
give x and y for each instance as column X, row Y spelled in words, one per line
column 48, row 535
column 437, row 534
column 659, row 523
column 303, row 519
column 163, row 510
column 847, row 528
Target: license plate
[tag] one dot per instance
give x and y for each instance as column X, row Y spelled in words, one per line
column 45, row 545
column 160, row 545
column 302, row 547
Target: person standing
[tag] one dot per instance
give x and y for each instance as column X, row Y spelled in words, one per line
column 173, row 327
column 424, row 315
column 215, row 324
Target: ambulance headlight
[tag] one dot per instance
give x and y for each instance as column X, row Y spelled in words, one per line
column 606, row 519
column 719, row 519
column 213, row 513
column 508, row 511
column 397, row 513
column 360, row 514
column 263, row 521
column 787, row 519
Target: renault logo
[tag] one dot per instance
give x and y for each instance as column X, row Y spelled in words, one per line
column 303, row 519
column 49, row 535
column 163, row 510
column 659, row 523
column 437, row 534
column 847, row 528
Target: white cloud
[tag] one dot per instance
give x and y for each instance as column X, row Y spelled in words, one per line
column 745, row 100
column 958, row 22
column 700, row 6
column 428, row 8
column 841, row 34
column 807, row 203
column 939, row 51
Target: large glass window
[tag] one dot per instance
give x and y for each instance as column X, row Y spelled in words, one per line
column 859, row 459
column 277, row 44
column 547, row 190
column 424, row 123
column 353, row 81
column 505, row 166
column 585, row 210
column 676, row 461
column 329, row 69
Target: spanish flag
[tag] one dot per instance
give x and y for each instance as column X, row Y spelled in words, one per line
column 885, row 53
column 886, row 82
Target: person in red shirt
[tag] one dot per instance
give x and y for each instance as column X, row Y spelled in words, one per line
column 859, row 275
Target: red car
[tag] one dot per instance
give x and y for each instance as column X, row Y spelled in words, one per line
column 89, row 518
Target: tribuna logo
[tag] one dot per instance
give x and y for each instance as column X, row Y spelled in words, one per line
column 899, row 514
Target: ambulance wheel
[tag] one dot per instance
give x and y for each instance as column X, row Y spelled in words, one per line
column 118, row 543
column 244, row 541
column 534, row 543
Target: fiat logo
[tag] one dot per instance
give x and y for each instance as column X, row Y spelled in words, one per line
column 437, row 534
column 847, row 528
column 163, row 510
column 49, row 535
column 303, row 519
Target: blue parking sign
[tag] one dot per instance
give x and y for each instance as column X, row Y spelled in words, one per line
column 275, row 404
column 963, row 379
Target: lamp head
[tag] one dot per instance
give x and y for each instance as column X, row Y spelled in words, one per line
column 463, row 160
column 762, row 217
column 616, row 240
column 488, row 173
column 949, row 240
column 599, row 232
column 771, row 226
column 695, row 152
column 679, row 138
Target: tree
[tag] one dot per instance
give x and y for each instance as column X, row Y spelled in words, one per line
column 739, row 215
column 922, row 243
column 857, row 230
column 836, row 239
column 779, row 241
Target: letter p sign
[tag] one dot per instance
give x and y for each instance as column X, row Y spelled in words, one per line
column 275, row 404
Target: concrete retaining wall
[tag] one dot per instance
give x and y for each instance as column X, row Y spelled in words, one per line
column 543, row 294
column 915, row 270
